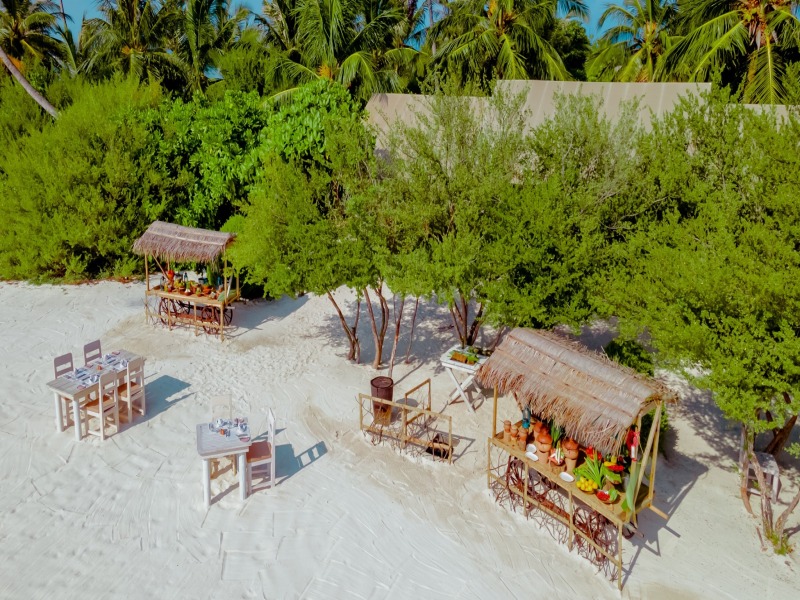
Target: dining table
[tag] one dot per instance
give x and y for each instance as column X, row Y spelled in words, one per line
column 78, row 386
column 217, row 442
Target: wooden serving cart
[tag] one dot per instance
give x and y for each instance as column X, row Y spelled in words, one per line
column 166, row 244
column 596, row 402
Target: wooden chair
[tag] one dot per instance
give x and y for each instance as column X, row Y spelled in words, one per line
column 105, row 405
column 262, row 453
column 131, row 392
column 91, row 351
column 61, row 366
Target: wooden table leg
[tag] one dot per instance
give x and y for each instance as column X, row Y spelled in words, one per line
column 76, row 415
column 459, row 389
column 207, row 482
column 59, row 414
column 242, row 476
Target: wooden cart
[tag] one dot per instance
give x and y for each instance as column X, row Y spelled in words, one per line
column 597, row 402
column 165, row 244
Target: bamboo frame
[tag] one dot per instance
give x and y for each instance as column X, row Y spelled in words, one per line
column 196, row 301
column 617, row 517
column 404, row 438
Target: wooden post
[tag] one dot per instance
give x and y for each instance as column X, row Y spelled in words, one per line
column 657, row 427
column 449, row 439
column 146, row 272
column 619, row 557
column 645, row 456
column 494, row 413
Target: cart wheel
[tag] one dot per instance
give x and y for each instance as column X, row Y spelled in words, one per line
column 182, row 307
column 210, row 318
column 228, row 315
column 595, row 526
column 163, row 312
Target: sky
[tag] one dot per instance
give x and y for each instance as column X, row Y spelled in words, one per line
column 78, row 8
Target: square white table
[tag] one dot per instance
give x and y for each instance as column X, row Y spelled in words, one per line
column 210, row 445
column 452, row 366
column 77, row 388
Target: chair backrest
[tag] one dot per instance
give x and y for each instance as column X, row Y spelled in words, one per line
column 136, row 374
column 107, row 386
column 220, row 407
column 63, row 364
column 91, row 351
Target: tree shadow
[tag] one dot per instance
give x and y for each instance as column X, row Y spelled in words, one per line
column 250, row 316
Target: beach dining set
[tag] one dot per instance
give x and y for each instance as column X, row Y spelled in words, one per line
column 92, row 397
column 95, row 396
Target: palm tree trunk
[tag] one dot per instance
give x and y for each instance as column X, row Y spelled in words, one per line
column 32, row 92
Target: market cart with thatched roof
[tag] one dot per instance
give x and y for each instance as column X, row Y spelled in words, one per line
column 581, row 405
column 202, row 304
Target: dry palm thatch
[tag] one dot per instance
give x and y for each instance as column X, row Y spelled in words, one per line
column 179, row 243
column 593, row 398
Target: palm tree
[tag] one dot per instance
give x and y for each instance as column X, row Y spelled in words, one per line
column 26, row 30
column 750, row 41
column 503, row 39
column 133, row 37
column 630, row 50
column 348, row 41
column 207, row 29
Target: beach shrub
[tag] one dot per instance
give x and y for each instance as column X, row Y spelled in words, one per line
column 74, row 194
column 204, row 155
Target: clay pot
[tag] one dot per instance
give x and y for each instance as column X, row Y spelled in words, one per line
column 514, row 431
column 570, row 448
column 571, row 463
column 522, row 442
column 506, row 431
column 544, row 442
column 538, row 428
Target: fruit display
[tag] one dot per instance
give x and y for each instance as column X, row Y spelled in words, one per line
column 587, row 485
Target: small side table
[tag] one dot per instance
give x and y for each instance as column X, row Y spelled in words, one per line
column 210, row 445
column 453, row 366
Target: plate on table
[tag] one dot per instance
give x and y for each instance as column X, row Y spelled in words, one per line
column 569, row 478
column 532, row 456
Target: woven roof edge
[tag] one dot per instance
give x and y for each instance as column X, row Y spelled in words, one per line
column 180, row 243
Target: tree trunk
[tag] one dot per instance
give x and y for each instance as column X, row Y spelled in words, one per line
column 496, row 341
column 378, row 333
column 354, row 353
column 32, row 92
column 767, row 520
column 745, row 469
column 781, row 435
column 780, row 524
column 398, row 319
column 476, row 326
column 411, row 335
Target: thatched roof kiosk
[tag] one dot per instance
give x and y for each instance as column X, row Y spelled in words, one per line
column 178, row 243
column 593, row 398
column 166, row 243
column 597, row 402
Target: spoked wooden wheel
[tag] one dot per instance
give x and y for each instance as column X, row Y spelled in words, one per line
column 210, row 318
column 164, row 311
column 596, row 527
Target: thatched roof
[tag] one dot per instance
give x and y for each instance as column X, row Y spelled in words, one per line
column 595, row 399
column 179, row 243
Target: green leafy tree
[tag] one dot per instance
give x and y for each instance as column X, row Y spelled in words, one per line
column 295, row 231
column 631, row 49
column 750, row 41
column 713, row 272
column 570, row 41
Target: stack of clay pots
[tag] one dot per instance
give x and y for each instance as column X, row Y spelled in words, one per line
column 570, row 448
column 522, row 438
column 544, row 441
column 507, row 431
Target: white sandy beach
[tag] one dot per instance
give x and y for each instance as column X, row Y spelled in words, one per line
column 125, row 518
